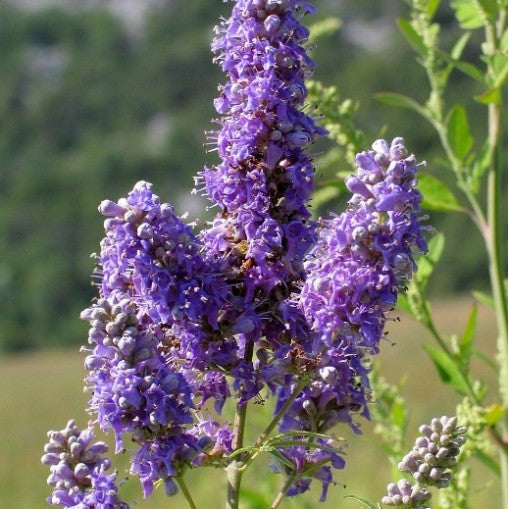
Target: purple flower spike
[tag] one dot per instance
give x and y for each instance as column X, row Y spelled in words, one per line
column 365, row 255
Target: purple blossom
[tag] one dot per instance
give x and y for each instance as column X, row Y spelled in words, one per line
column 306, row 460
column 365, row 255
column 257, row 300
column 78, row 470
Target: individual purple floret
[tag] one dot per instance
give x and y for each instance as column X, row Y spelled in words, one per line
column 78, row 470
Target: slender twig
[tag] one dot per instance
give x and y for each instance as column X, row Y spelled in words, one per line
column 282, row 493
column 233, row 470
column 185, row 491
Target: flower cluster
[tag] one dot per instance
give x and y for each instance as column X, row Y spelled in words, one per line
column 261, row 299
column 78, row 470
column 429, row 463
column 360, row 261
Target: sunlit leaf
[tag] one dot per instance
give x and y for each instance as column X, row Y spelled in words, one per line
column 253, row 498
column 436, row 194
column 471, row 70
column 459, row 46
column 488, row 461
column 466, row 340
column 491, row 96
column 403, row 304
column 432, row 6
column 468, row 14
column 459, row 134
column 398, row 414
column 494, row 414
column 325, row 194
column 448, row 369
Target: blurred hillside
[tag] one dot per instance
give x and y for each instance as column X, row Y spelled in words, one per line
column 95, row 96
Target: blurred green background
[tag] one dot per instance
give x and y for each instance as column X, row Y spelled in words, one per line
column 95, row 95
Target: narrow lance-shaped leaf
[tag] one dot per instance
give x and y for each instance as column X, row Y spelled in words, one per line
column 459, row 46
column 414, row 39
column 364, row 502
column 432, row 6
column 401, row 101
column 465, row 343
column 485, row 299
column 448, row 369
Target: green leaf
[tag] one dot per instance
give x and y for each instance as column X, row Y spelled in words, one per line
column 365, row 502
column 458, row 132
column 436, row 194
column 401, row 101
column 398, row 413
column 503, row 43
column 471, row 70
column 427, row 263
column 459, row 46
column 484, row 298
column 466, row 341
column 494, row 413
column 432, row 6
column 489, row 7
column 448, row 369
column 414, row 39
column 281, row 459
column 468, row 14
column 403, row 304
column 491, row 96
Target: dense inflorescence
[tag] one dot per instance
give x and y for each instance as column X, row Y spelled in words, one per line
column 430, row 463
column 79, row 470
column 263, row 298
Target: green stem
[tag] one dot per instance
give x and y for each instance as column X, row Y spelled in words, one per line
column 282, row 493
column 496, row 270
column 234, row 471
column 185, row 491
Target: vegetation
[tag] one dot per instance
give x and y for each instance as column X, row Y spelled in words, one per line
column 87, row 110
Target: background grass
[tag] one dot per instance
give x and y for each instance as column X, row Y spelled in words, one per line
column 42, row 391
